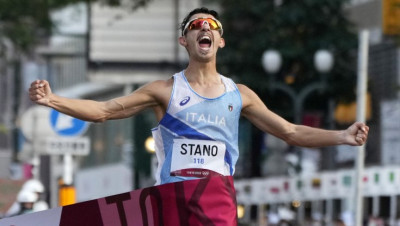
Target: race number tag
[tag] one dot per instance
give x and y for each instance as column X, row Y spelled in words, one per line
column 197, row 158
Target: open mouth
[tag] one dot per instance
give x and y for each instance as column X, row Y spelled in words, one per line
column 205, row 42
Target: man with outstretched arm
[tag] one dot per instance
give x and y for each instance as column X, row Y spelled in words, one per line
column 198, row 111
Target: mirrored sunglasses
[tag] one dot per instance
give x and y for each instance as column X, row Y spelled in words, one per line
column 198, row 23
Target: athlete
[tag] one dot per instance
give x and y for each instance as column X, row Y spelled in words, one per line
column 198, row 110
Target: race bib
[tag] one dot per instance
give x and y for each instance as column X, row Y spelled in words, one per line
column 198, row 158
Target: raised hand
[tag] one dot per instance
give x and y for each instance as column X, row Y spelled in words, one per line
column 40, row 92
column 357, row 134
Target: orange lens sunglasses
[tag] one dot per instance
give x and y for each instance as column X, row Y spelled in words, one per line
column 198, row 23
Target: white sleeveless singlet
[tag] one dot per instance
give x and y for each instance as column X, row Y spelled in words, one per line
column 198, row 136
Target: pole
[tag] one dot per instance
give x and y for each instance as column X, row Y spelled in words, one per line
column 36, row 156
column 68, row 169
column 361, row 94
column 67, row 192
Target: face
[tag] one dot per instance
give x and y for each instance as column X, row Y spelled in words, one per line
column 202, row 42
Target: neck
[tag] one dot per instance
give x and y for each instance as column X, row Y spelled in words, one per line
column 201, row 72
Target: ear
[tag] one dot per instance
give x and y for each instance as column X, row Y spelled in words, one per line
column 221, row 43
column 182, row 41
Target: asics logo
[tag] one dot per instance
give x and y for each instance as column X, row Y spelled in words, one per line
column 185, row 100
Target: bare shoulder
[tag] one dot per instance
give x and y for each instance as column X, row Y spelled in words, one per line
column 244, row 90
column 159, row 90
column 248, row 95
column 158, row 86
column 162, row 84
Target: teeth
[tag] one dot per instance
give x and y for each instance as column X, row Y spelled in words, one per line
column 205, row 37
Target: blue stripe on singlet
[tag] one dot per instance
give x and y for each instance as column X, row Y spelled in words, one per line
column 181, row 128
column 228, row 159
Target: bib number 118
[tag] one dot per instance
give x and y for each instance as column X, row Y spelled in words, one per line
column 198, row 160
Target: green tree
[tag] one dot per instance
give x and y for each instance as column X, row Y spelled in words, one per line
column 297, row 29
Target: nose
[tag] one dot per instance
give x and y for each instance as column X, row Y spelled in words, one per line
column 205, row 26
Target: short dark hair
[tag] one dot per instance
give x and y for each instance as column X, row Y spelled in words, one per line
column 196, row 11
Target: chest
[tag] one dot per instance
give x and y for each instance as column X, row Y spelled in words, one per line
column 209, row 90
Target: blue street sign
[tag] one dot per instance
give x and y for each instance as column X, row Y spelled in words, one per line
column 66, row 125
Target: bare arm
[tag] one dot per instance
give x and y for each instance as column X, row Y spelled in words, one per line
column 256, row 111
column 150, row 95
